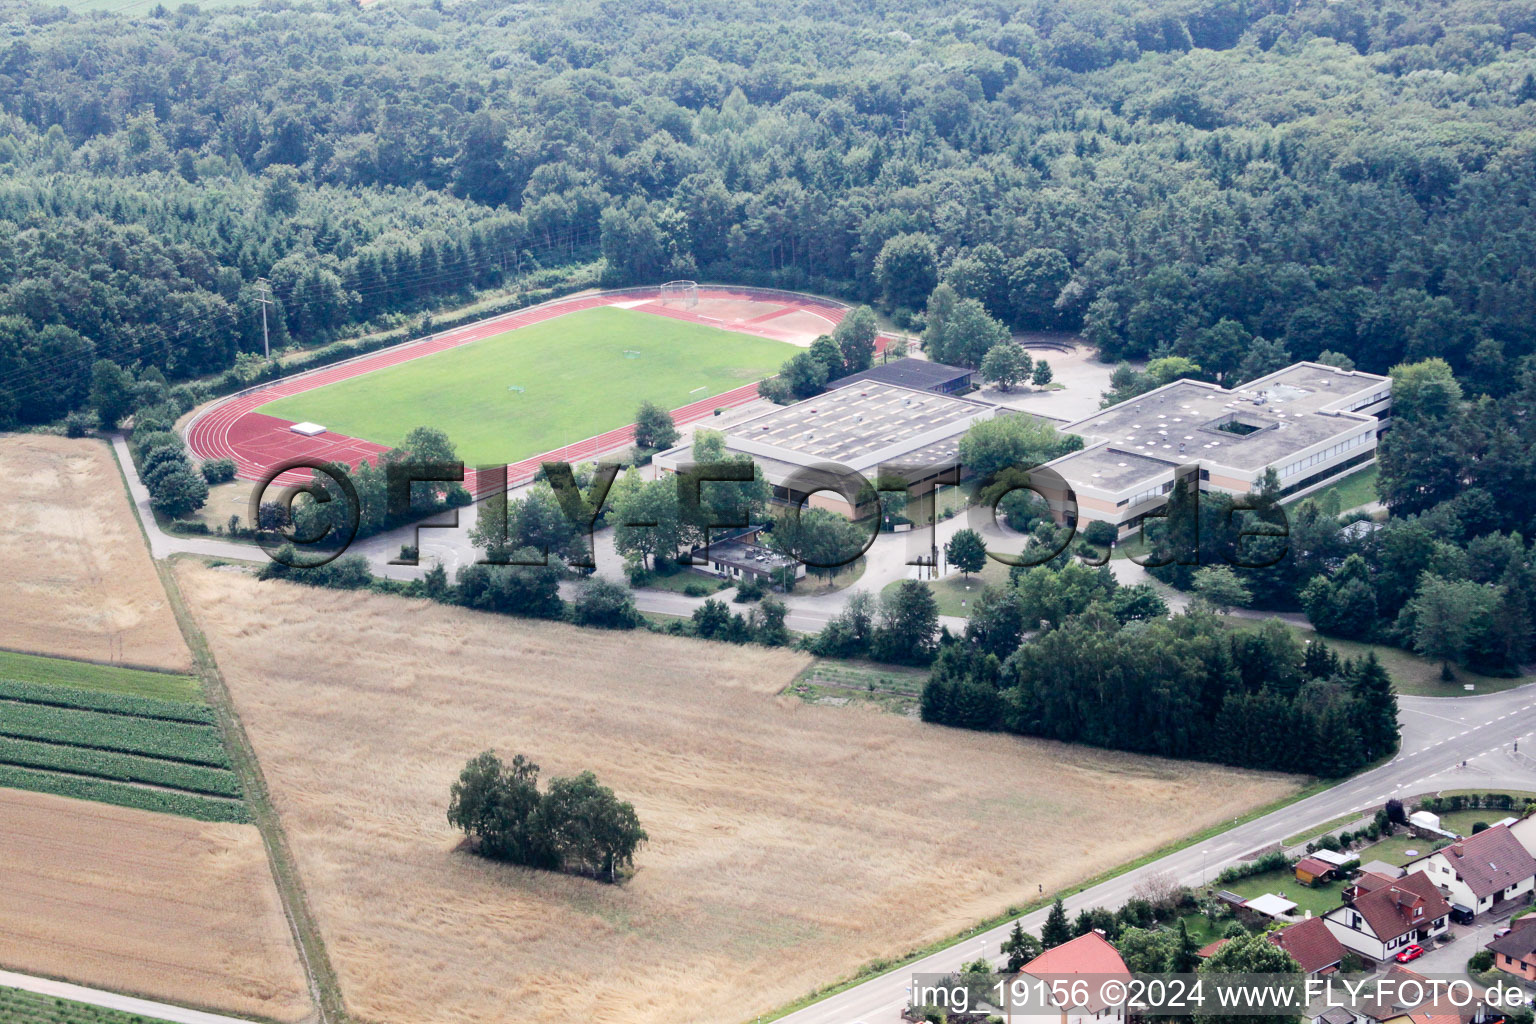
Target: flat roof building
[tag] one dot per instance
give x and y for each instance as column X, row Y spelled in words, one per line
column 863, row 427
column 1311, row 423
column 907, row 372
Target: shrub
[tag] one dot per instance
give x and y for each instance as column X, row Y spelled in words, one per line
column 751, row 589
column 79, row 424
column 1100, row 534
column 219, row 471
column 696, row 590
column 1481, row 961
column 605, row 604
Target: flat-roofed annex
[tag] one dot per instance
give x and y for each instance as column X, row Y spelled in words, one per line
column 1185, row 421
column 854, row 425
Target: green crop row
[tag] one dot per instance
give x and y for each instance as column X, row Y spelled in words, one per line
column 19, row 1007
column 115, row 703
column 198, row 744
column 88, row 675
column 203, row 808
column 109, row 764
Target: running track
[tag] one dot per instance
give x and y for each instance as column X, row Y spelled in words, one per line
column 232, row 428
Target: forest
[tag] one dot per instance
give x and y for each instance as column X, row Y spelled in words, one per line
column 1173, row 178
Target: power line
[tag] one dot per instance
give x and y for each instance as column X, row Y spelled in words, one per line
column 266, row 343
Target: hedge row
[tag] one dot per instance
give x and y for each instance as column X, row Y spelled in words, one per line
column 109, row 764
column 113, row 703
column 197, row 744
column 203, row 808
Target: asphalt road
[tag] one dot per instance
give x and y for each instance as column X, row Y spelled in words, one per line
column 1439, row 733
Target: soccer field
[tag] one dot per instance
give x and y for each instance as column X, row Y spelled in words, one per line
column 580, row 374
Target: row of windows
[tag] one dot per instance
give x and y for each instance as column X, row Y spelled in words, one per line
column 1156, row 492
column 1333, row 451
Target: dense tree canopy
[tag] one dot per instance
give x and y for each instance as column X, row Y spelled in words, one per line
column 1349, row 176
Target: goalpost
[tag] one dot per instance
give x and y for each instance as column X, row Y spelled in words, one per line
column 680, row 293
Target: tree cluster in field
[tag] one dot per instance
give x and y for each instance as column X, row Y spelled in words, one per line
column 1449, row 575
column 1164, row 178
column 574, row 825
column 850, row 348
column 1065, row 652
column 901, row 627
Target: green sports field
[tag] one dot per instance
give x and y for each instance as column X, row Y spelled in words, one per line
column 582, row 374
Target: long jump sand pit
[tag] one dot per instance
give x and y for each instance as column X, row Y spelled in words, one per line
column 80, row 580
column 160, row 906
column 790, row 843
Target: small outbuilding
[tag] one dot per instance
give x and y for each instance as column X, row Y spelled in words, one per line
column 1271, row 905
column 1311, row 870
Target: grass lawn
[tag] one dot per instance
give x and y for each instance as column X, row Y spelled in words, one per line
column 1396, row 850
column 1357, row 489
column 1201, row 928
column 1319, row 899
column 1410, row 673
column 679, row 582
column 1461, row 822
column 30, row 668
column 578, row 375
column 845, row 576
column 956, row 594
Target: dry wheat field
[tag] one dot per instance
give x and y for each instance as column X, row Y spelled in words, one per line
column 80, row 580
column 790, row 843
column 153, row 904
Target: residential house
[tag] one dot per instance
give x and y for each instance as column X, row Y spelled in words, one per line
column 1525, row 831
column 1482, row 871
column 1382, row 915
column 1434, row 1006
column 1336, row 1015
column 1515, row 951
column 1311, row 945
column 1089, row 956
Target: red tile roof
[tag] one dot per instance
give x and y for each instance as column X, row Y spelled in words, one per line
column 1491, row 861
column 1311, row 944
column 1087, row 954
column 1313, row 866
column 1401, row 905
column 1209, row 949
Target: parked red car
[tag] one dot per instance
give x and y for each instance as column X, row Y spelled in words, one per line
column 1410, row 953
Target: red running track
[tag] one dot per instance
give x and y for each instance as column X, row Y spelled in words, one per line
column 257, row 442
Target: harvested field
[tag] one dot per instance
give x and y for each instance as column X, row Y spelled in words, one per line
column 81, row 583
column 790, row 843
column 150, row 904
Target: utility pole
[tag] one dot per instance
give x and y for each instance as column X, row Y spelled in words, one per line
column 265, row 300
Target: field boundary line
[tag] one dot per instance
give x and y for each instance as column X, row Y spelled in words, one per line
column 319, row 973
